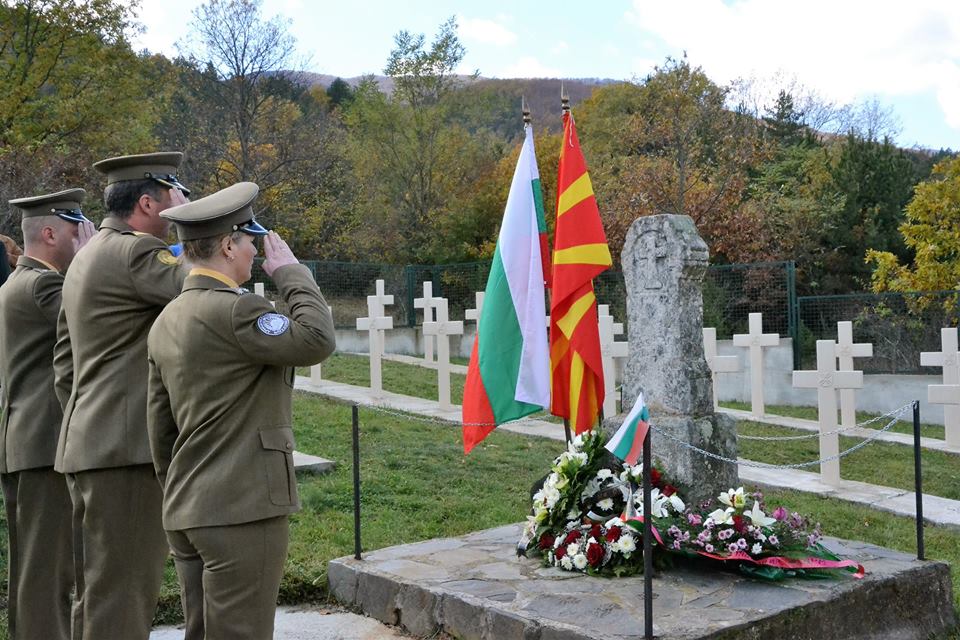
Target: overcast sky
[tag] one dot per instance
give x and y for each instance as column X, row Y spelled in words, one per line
column 904, row 54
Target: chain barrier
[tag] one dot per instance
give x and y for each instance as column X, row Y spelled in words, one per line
column 765, row 465
column 863, row 425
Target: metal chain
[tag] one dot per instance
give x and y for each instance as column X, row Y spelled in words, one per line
column 896, row 412
column 765, row 465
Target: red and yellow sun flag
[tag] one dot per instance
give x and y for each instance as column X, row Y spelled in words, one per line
column 580, row 253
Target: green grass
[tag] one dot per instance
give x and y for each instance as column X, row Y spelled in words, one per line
column 810, row 413
column 881, row 463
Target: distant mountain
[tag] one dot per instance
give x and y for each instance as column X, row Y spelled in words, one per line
column 542, row 95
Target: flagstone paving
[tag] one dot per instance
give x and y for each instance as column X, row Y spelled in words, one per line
column 475, row 587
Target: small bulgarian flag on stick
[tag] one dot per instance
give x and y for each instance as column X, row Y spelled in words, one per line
column 627, row 442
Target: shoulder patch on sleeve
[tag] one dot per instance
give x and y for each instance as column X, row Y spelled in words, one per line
column 273, row 324
column 166, row 257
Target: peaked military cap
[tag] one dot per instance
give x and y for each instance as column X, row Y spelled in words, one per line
column 223, row 212
column 63, row 204
column 161, row 167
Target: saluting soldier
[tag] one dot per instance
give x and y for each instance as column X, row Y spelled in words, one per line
column 221, row 377
column 113, row 292
column 40, row 547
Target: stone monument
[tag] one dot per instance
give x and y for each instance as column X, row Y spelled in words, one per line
column 664, row 262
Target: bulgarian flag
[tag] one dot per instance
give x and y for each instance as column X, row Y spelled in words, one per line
column 509, row 372
column 627, row 442
column 580, row 253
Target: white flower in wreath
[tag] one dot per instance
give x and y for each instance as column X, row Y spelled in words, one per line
column 603, row 474
column 757, row 517
column 573, row 549
column 722, row 516
column 552, row 496
column 626, row 544
column 606, row 504
column 580, row 561
column 733, row 498
column 677, row 503
column 756, row 549
column 566, row 563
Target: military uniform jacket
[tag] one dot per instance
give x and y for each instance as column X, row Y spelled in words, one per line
column 115, row 288
column 29, row 306
column 220, row 395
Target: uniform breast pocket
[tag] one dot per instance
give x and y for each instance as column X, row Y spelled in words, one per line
column 277, row 443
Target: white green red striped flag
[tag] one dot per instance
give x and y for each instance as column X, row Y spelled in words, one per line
column 509, row 373
column 627, row 442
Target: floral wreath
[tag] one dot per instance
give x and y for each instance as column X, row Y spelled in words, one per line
column 585, row 518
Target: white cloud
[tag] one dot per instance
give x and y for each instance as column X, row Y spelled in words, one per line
column 560, row 47
column 485, row 31
column 841, row 49
column 529, row 67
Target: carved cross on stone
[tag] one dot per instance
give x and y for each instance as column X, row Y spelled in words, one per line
column 826, row 380
column 376, row 322
column 427, row 303
column 443, row 328
column 474, row 314
column 847, row 350
column 717, row 364
column 609, row 350
column 756, row 340
column 948, row 393
column 650, row 258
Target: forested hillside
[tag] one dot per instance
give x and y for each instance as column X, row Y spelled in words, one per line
column 413, row 166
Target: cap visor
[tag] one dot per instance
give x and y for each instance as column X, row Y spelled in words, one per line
column 174, row 184
column 253, row 228
column 73, row 217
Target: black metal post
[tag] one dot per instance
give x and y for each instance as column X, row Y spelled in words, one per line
column 918, row 478
column 356, row 482
column 566, row 430
column 647, row 544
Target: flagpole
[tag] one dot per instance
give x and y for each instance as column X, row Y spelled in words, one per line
column 564, row 108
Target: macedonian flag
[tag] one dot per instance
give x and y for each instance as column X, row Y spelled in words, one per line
column 580, row 253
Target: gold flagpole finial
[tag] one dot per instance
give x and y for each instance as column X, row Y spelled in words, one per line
column 564, row 99
column 525, row 108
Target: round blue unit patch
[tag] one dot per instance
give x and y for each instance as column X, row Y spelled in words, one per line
column 273, row 324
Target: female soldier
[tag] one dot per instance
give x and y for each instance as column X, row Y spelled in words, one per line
column 219, row 414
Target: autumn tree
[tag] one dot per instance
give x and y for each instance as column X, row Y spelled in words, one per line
column 72, row 93
column 931, row 230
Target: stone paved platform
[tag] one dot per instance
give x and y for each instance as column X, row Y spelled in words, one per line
column 474, row 587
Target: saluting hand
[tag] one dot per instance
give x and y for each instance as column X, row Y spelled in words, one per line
column 85, row 232
column 277, row 253
column 177, row 198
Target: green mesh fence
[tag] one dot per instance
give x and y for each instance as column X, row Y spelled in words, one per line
column 898, row 325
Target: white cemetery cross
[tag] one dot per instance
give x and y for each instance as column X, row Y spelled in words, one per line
column 756, row 340
column 610, row 349
column 474, row 314
column 827, row 380
column 847, row 350
column 442, row 328
column 948, row 393
column 376, row 323
column 428, row 303
column 259, row 289
column 717, row 364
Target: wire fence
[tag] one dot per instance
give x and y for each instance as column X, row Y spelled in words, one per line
column 899, row 326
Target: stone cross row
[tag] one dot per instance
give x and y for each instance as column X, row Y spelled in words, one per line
column 610, row 350
column 756, row 340
column 442, row 328
column 827, row 380
column 948, row 393
column 428, row 303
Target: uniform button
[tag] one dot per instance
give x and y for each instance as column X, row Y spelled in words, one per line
column 289, row 446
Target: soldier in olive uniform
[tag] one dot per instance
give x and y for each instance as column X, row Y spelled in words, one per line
column 113, row 292
column 40, row 561
column 219, row 415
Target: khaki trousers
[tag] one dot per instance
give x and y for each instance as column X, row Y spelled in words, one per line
column 119, row 551
column 40, row 554
column 230, row 578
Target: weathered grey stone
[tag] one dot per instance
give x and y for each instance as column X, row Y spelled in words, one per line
column 418, row 610
column 664, row 260
column 342, row 581
column 306, row 463
column 900, row 597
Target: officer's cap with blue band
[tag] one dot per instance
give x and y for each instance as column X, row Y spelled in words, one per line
column 161, row 167
column 223, row 212
column 63, row 204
